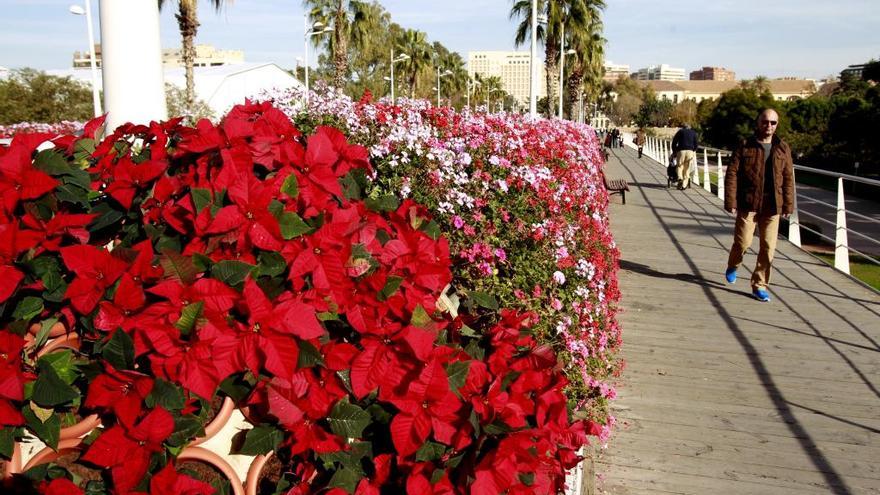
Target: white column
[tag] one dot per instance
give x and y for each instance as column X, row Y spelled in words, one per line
column 794, row 224
column 134, row 85
column 533, row 63
column 841, row 246
column 695, row 171
column 706, row 181
column 720, row 178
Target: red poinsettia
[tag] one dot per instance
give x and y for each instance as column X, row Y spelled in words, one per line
column 169, row 482
column 96, row 270
column 13, row 242
column 122, row 392
column 129, row 178
column 18, row 178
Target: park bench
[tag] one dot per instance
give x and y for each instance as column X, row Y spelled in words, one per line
column 615, row 186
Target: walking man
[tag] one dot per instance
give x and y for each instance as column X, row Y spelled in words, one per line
column 684, row 146
column 639, row 140
column 759, row 186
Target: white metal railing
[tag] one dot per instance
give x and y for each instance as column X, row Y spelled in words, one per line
column 659, row 150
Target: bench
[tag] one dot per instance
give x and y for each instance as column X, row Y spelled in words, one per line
column 616, row 186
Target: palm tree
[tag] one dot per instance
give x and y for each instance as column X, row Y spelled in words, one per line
column 456, row 82
column 586, row 72
column 415, row 44
column 188, row 22
column 563, row 17
column 353, row 22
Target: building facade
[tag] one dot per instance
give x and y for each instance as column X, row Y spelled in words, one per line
column 512, row 67
column 206, row 56
column 713, row 74
column 660, row 72
column 678, row 91
column 614, row 71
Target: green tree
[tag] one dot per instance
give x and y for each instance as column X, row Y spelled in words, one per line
column 733, row 118
column 654, row 112
column 28, row 95
column 684, row 112
column 415, row 44
column 587, row 69
column 188, row 23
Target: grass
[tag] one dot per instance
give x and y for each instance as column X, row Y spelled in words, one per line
column 860, row 268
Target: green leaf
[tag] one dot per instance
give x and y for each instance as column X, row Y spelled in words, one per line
column 348, row 420
column 201, row 198
column 457, row 373
column 167, row 395
column 48, row 431
column 271, row 264
column 52, row 162
column 185, row 428
column 119, row 351
column 292, row 225
column 496, row 428
column 527, row 479
column 63, row 363
column 45, row 328
column 309, row 356
column 83, row 149
column 353, row 184
column 420, row 317
column 188, row 317
column 345, row 478
column 202, row 262
column 391, row 286
column 28, row 308
column 290, row 186
column 430, row 451
column 70, row 193
column 231, row 272
column 238, row 386
column 388, row 202
column 484, row 299
column 107, row 216
column 260, row 440
column 48, row 269
column 7, row 441
column 50, row 390
column 180, row 267
column 431, row 229
column 350, row 458
column 474, row 350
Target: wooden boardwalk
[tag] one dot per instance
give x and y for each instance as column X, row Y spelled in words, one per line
column 723, row 394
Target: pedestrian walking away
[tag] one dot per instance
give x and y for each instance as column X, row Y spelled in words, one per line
column 639, row 140
column 758, row 188
column 684, row 146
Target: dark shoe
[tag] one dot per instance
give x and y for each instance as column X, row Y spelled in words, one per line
column 761, row 295
column 730, row 275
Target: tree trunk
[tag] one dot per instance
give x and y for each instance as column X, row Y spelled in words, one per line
column 551, row 55
column 575, row 89
column 340, row 55
column 187, row 21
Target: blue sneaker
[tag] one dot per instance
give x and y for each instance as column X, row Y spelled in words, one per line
column 761, row 295
column 730, row 275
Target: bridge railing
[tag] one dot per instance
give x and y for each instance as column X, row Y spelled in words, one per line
column 713, row 162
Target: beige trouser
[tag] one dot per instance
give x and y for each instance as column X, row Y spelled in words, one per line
column 768, row 229
column 686, row 160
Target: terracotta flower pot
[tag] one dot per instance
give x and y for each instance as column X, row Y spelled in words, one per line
column 12, row 466
column 69, row 341
column 48, row 455
column 203, row 455
column 216, row 424
column 57, row 330
column 253, row 476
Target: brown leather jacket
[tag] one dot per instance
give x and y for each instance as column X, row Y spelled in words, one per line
column 744, row 180
column 640, row 138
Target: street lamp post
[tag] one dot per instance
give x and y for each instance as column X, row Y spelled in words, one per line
column 87, row 11
column 471, row 84
column 439, row 75
column 533, row 63
column 309, row 32
column 400, row 58
column 562, row 55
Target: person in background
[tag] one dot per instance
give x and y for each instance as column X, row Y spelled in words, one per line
column 684, row 146
column 759, row 186
column 639, row 140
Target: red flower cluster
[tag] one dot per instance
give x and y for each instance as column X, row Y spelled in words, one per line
column 245, row 252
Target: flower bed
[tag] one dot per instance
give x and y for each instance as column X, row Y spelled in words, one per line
column 256, row 260
column 525, row 211
column 65, row 127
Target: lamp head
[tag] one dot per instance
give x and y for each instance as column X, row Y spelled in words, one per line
column 77, row 10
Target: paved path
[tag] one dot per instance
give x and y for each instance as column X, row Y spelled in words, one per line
column 723, row 394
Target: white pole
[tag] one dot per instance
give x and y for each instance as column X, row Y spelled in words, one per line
column 841, row 246
column 438, row 86
column 306, row 43
column 131, row 59
column 96, row 97
column 794, row 224
column 706, row 181
column 533, row 63
column 392, row 75
column 720, row 178
column 561, row 63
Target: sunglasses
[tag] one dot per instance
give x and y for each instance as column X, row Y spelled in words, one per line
column 769, row 122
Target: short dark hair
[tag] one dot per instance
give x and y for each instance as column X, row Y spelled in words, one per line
column 765, row 110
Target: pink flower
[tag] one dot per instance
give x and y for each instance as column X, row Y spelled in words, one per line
column 458, row 222
column 559, row 277
column 500, row 254
column 556, row 304
column 468, row 230
column 485, row 268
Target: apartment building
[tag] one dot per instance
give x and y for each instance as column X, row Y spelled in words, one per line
column 512, row 67
column 713, row 74
column 660, row 72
